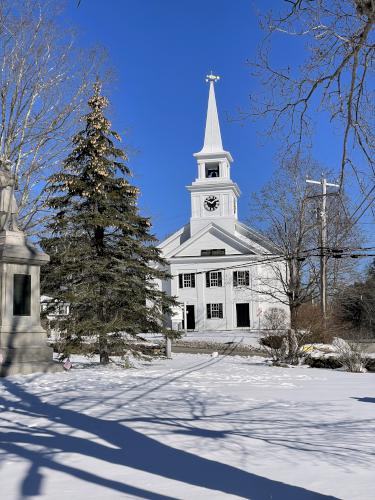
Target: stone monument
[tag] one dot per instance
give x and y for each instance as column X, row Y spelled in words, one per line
column 23, row 347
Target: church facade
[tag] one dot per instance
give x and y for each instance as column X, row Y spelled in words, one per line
column 215, row 260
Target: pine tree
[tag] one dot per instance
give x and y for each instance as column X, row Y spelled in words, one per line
column 104, row 260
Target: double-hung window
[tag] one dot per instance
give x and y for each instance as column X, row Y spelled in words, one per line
column 214, row 311
column 214, row 278
column 241, row 278
column 186, row 280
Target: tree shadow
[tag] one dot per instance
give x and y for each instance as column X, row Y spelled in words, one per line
column 125, row 447
column 332, row 440
column 365, row 400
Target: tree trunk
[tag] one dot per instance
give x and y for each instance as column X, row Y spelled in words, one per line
column 292, row 357
column 293, row 308
column 103, row 350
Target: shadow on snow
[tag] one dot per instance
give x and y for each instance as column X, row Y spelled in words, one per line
column 126, row 447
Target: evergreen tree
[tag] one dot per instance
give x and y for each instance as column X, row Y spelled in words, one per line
column 104, row 261
column 355, row 305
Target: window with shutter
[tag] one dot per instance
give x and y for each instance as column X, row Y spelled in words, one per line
column 214, row 311
column 214, row 278
column 241, row 278
column 186, row 280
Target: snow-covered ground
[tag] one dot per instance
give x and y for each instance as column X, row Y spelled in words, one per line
column 194, row 427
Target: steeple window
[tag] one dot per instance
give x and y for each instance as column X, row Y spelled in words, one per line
column 212, row 170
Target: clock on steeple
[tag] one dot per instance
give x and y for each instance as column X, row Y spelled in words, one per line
column 213, row 194
column 211, row 203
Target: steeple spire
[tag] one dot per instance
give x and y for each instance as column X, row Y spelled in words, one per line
column 212, row 136
column 213, row 193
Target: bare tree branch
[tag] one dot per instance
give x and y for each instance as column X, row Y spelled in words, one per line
column 336, row 76
column 43, row 85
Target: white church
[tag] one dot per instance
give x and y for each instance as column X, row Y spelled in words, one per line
column 215, row 260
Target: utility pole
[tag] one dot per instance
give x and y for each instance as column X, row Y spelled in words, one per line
column 323, row 242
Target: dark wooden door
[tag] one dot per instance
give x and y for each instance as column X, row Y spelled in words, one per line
column 190, row 318
column 243, row 315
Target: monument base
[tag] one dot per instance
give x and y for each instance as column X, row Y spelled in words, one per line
column 29, row 367
column 28, row 359
column 23, row 341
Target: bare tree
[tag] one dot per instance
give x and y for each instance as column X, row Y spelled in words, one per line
column 42, row 86
column 336, row 76
column 286, row 210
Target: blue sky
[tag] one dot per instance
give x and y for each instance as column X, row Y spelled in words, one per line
column 161, row 51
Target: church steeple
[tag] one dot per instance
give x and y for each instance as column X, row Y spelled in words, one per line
column 212, row 136
column 213, row 193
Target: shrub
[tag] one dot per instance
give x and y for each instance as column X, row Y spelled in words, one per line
column 273, row 341
column 285, row 347
column 350, row 354
column 310, row 320
column 275, row 319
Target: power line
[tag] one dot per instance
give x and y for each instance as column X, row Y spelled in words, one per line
column 346, row 252
column 356, row 210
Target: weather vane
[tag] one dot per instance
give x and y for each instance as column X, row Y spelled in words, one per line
column 212, row 78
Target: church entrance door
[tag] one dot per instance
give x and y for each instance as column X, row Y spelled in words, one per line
column 243, row 315
column 190, row 318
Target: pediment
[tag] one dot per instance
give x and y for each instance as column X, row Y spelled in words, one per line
column 212, row 236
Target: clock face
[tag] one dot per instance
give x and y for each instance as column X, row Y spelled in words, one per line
column 211, row 203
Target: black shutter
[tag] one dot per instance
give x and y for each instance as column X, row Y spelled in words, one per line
column 209, row 311
column 219, row 279
column 247, row 278
column 193, row 280
column 235, row 278
column 180, row 281
column 208, row 279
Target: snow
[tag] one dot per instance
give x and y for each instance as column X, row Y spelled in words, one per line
column 194, row 427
